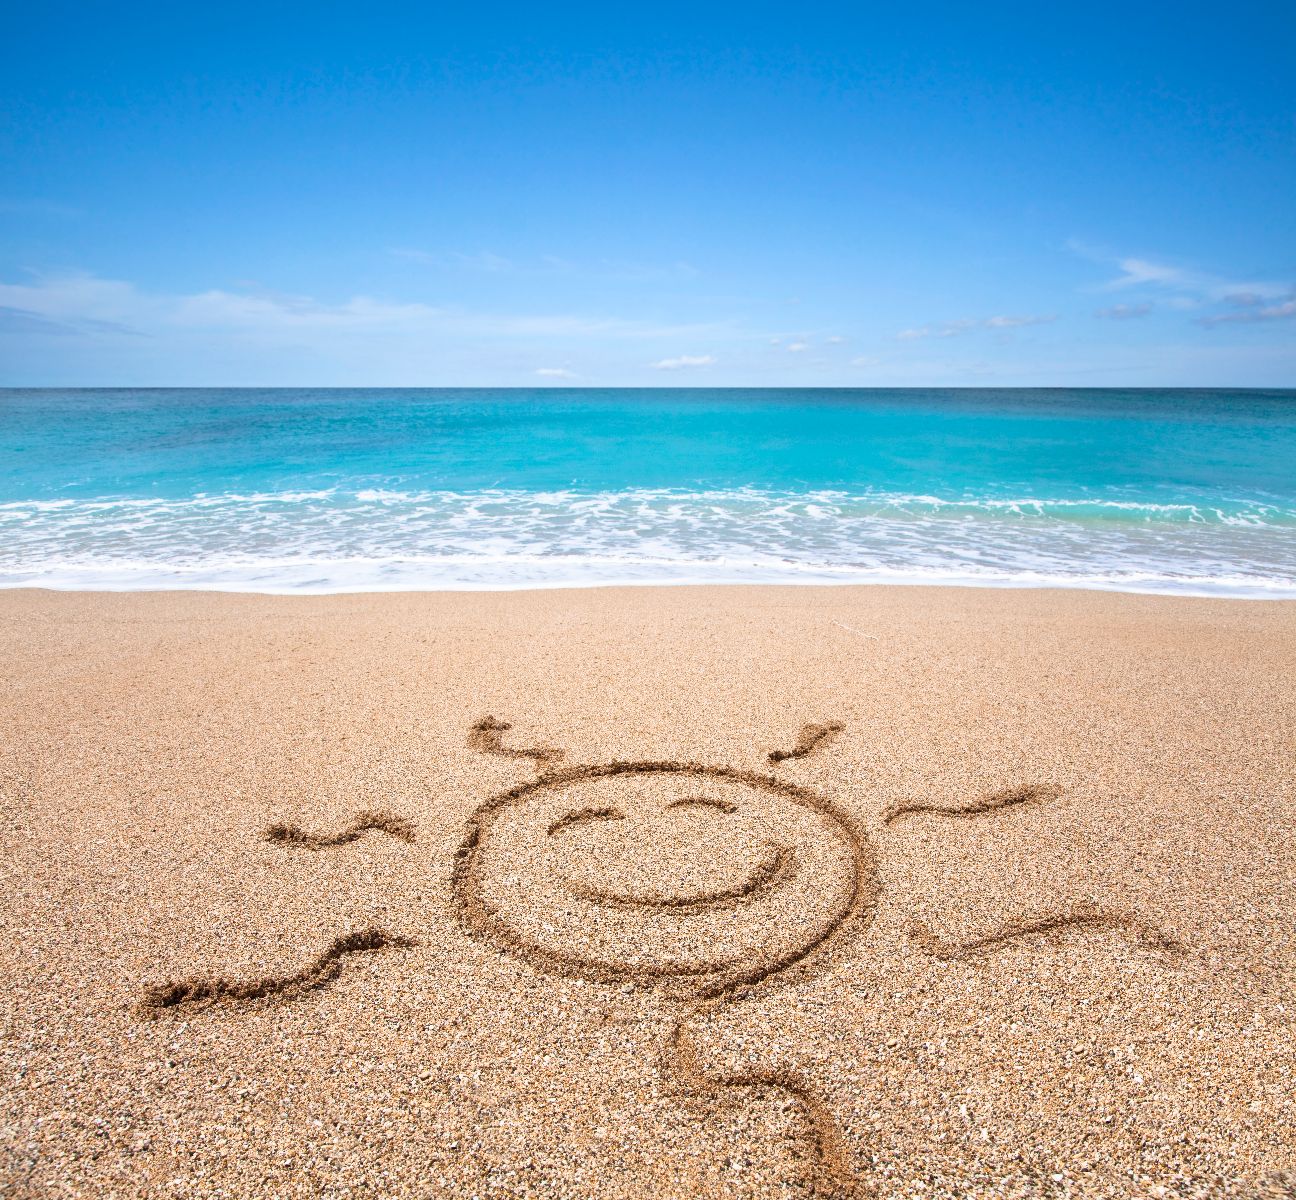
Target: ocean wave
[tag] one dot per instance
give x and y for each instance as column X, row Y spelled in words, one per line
column 818, row 503
column 374, row 538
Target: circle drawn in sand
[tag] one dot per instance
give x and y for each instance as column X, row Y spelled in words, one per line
column 692, row 878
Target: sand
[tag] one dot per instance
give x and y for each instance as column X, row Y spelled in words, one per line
column 648, row 893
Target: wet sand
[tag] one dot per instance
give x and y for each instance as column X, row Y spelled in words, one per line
column 648, row 892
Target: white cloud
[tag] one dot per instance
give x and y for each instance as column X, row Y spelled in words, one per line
column 1016, row 322
column 1185, row 288
column 834, row 340
column 684, row 360
column 1137, row 271
column 797, row 347
column 1123, row 312
column 948, row 329
column 86, row 302
column 267, row 310
column 74, row 297
column 22, row 320
column 555, row 373
column 865, row 360
column 1252, row 310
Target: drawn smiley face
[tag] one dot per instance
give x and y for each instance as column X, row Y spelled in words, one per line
column 691, row 878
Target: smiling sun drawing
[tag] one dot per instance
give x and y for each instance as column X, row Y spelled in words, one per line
column 700, row 882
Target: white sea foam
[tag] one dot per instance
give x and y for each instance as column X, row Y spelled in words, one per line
column 388, row 539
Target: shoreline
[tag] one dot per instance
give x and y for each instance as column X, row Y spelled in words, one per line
column 1287, row 592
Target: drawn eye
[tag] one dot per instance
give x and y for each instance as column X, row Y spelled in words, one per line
column 582, row 815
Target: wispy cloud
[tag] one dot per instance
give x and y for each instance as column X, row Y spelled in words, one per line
column 1123, row 312
column 86, row 303
column 555, row 373
column 798, row 347
column 1250, row 309
column 19, row 320
column 947, row 329
column 684, row 360
column 1134, row 272
column 1017, row 322
column 1139, row 272
column 1187, row 289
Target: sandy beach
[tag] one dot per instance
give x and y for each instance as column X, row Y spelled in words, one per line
column 658, row 892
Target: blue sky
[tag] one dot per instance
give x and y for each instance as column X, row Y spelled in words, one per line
column 1087, row 195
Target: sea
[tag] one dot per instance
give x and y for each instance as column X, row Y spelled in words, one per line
column 1191, row 492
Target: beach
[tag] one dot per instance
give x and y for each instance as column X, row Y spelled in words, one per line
column 648, row 892
column 638, row 604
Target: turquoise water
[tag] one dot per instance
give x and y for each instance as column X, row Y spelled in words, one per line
column 330, row 490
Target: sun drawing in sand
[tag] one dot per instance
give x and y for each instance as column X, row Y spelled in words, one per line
column 699, row 882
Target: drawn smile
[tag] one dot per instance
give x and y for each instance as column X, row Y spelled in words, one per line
column 778, row 865
column 776, row 868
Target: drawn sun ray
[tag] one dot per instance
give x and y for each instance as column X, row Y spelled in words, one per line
column 378, row 822
column 201, row 991
column 1083, row 916
column 1031, row 793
